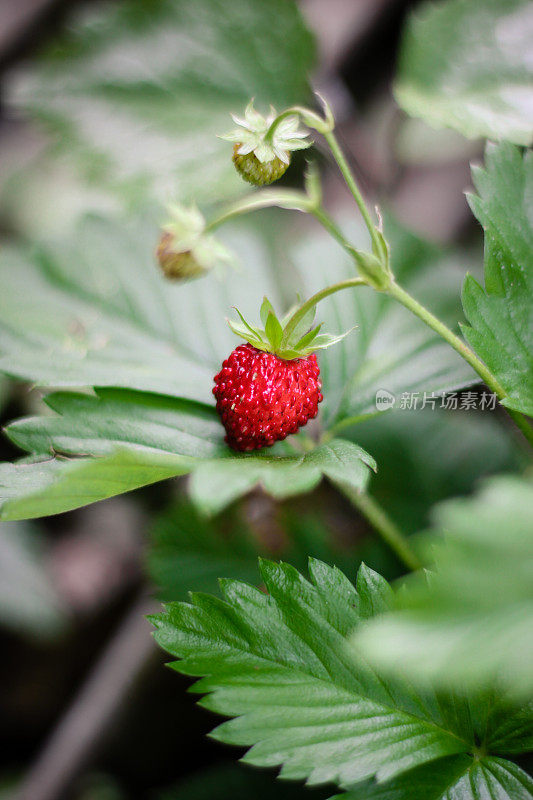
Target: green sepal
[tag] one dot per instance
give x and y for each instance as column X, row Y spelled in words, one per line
column 309, row 337
column 266, row 309
column 301, row 342
column 274, row 331
column 373, row 268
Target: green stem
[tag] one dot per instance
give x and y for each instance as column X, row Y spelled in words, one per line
column 288, row 199
column 308, row 117
column 462, row 348
column 384, row 525
column 283, row 198
column 290, row 112
column 339, row 157
column 332, row 228
column 316, row 298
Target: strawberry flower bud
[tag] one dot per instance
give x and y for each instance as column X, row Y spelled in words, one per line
column 185, row 250
column 262, row 148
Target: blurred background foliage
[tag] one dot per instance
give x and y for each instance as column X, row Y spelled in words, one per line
column 114, row 108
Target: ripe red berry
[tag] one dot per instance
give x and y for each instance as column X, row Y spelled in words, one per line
column 262, row 398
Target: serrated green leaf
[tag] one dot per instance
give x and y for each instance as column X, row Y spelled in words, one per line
column 279, row 665
column 501, row 315
column 135, row 95
column 469, row 622
column 43, row 488
column 454, row 778
column 96, row 425
column 137, row 439
column 218, row 482
column 391, row 349
column 465, row 64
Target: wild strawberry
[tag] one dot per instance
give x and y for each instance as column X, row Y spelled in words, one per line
column 270, row 387
column 262, row 150
column 262, row 398
column 184, row 249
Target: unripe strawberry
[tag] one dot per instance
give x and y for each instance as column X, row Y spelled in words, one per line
column 253, row 171
column 177, row 265
column 185, row 250
column 262, row 398
column 262, row 145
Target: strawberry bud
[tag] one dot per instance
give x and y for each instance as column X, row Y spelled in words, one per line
column 185, row 249
column 177, row 265
column 263, row 145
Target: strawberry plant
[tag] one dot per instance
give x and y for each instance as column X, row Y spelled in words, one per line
column 414, row 690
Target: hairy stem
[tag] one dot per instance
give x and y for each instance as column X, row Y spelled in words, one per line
column 340, row 158
column 384, row 525
column 290, row 112
column 300, row 313
column 462, row 348
column 309, row 118
column 268, row 198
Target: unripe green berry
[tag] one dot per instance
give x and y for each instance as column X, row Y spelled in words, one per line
column 256, row 172
column 177, row 265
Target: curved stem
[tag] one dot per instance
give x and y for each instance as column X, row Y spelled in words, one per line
column 283, row 198
column 332, row 228
column 300, row 313
column 384, row 525
column 339, row 157
column 462, row 348
column 290, row 112
column 309, row 118
column 288, row 199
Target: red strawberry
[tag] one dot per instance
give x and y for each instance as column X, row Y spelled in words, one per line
column 262, row 398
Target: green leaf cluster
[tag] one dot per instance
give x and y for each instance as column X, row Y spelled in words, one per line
column 277, row 338
column 280, row 665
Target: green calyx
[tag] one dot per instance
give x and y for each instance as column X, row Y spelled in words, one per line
column 291, row 337
column 265, row 137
